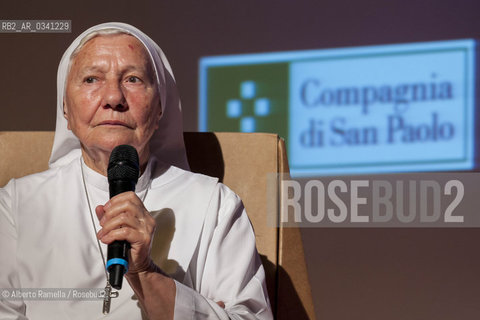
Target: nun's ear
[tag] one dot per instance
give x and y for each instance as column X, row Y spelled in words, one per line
column 159, row 116
column 160, row 113
column 65, row 114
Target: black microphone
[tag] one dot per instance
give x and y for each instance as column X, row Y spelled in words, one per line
column 123, row 170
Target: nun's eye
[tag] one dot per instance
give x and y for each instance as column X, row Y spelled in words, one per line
column 133, row 79
column 90, row 79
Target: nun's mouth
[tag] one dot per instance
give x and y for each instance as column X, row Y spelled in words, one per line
column 114, row 123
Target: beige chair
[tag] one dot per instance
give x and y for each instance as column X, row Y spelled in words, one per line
column 240, row 160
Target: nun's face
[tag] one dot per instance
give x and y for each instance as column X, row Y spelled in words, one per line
column 111, row 96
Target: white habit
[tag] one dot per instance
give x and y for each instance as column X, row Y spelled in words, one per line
column 204, row 240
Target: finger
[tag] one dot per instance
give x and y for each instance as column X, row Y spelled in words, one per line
column 122, row 197
column 124, row 207
column 221, row 304
column 124, row 221
column 128, row 234
column 100, row 212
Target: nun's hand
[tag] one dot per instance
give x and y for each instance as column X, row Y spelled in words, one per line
column 124, row 217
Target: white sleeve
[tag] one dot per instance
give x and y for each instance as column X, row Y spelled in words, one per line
column 226, row 267
column 9, row 308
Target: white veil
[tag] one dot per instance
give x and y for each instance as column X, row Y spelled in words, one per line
column 166, row 143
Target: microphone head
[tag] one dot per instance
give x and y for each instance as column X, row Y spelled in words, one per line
column 123, row 164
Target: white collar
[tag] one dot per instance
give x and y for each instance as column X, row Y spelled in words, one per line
column 98, row 180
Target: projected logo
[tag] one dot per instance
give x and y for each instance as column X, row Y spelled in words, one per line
column 250, row 109
column 247, row 99
column 369, row 109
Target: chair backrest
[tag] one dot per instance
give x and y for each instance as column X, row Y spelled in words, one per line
column 241, row 161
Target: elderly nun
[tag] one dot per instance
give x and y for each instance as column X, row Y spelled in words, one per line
column 193, row 252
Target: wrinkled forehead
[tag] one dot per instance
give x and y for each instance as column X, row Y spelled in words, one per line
column 109, row 33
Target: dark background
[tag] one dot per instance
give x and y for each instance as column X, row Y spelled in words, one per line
column 354, row 273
